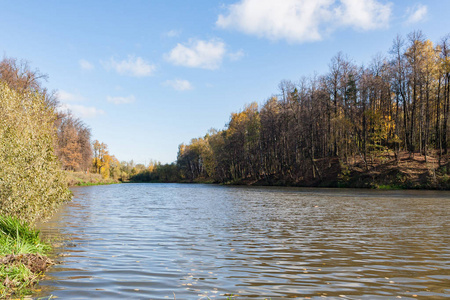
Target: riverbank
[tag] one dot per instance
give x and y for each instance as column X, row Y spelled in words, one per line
column 22, row 257
column 381, row 171
column 86, row 179
column 407, row 171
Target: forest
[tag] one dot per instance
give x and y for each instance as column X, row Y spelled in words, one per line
column 361, row 126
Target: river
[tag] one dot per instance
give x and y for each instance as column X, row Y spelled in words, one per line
column 193, row 241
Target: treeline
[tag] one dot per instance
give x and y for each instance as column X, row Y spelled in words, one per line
column 155, row 172
column 38, row 141
column 72, row 142
column 324, row 124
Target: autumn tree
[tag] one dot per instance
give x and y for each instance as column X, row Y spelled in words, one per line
column 18, row 75
column 74, row 143
column 103, row 163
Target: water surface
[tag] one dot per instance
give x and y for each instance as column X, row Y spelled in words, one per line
column 166, row 241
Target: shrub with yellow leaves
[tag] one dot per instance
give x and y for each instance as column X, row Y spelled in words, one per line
column 32, row 183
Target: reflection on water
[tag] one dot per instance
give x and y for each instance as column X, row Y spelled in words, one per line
column 154, row 241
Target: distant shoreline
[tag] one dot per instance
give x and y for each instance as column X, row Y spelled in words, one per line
column 384, row 173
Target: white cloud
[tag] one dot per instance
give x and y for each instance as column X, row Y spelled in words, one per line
column 65, row 97
column 82, row 111
column 85, row 65
column 364, row 15
column 133, row 66
column 236, row 55
column 179, row 84
column 303, row 20
column 121, row 100
column 67, row 101
column 416, row 14
column 198, row 54
column 173, row 33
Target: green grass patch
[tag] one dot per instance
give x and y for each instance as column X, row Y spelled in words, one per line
column 95, row 183
column 388, row 187
column 21, row 257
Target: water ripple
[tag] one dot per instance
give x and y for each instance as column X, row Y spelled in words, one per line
column 154, row 241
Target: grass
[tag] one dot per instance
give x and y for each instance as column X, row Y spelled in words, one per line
column 18, row 242
column 16, row 280
column 87, row 179
column 388, row 187
column 18, row 237
column 94, row 183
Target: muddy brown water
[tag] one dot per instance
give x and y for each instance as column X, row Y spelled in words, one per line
column 179, row 241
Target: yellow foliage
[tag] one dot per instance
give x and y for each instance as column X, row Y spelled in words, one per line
column 32, row 183
column 103, row 163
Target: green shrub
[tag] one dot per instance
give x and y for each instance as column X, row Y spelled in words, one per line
column 32, row 183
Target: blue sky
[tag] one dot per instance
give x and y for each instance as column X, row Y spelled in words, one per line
column 149, row 75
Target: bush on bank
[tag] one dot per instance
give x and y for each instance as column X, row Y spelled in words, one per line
column 32, row 183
